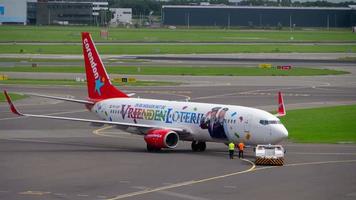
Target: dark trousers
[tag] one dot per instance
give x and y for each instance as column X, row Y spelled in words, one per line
column 231, row 153
column 241, row 154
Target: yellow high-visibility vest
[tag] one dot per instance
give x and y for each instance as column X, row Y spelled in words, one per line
column 231, row 146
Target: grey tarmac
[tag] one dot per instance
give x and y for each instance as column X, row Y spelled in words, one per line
column 46, row 159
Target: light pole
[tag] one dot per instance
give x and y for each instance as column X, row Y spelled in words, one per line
column 228, row 21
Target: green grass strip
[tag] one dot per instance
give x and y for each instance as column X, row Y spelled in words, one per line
column 179, row 70
column 72, row 34
column 14, row 96
column 75, row 83
column 322, row 125
column 178, row 49
column 39, row 60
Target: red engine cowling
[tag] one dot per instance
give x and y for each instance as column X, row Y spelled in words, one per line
column 161, row 138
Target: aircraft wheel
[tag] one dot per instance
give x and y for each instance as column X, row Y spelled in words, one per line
column 152, row 149
column 198, row 146
column 202, row 146
column 195, row 146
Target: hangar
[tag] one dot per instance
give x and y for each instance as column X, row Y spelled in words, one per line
column 228, row 16
column 80, row 12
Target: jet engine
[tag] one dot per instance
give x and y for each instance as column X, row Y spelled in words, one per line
column 161, row 138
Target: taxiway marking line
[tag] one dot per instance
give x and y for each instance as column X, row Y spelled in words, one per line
column 129, row 136
column 192, row 182
column 252, row 169
column 97, row 131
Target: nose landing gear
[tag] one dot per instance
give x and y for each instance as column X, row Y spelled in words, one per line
column 198, row 146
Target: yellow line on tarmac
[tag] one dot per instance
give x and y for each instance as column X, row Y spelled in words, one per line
column 192, row 182
column 252, row 169
column 97, row 131
column 129, row 136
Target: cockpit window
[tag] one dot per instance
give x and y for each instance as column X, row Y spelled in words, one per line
column 263, row 122
column 266, row 122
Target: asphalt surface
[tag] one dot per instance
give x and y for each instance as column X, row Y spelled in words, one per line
column 46, row 159
column 260, row 56
column 186, row 61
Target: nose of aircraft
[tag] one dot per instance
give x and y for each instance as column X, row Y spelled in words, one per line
column 283, row 132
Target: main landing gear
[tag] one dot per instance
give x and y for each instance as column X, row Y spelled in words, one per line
column 198, row 146
column 152, row 148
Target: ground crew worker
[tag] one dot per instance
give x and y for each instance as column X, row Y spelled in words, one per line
column 231, row 150
column 241, row 150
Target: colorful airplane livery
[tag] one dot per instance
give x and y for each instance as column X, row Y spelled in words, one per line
column 163, row 123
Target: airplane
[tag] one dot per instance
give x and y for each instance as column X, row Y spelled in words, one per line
column 164, row 123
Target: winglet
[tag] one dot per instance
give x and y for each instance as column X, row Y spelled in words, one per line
column 12, row 107
column 281, row 107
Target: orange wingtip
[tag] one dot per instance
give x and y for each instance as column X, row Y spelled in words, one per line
column 12, row 107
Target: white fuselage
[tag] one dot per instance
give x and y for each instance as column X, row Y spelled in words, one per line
column 205, row 122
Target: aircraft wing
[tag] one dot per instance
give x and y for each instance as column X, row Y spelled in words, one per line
column 14, row 110
column 62, row 98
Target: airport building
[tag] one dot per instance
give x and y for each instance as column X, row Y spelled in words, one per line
column 47, row 12
column 63, row 12
column 255, row 16
column 13, row 11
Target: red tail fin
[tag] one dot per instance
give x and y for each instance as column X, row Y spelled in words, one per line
column 281, row 107
column 98, row 81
